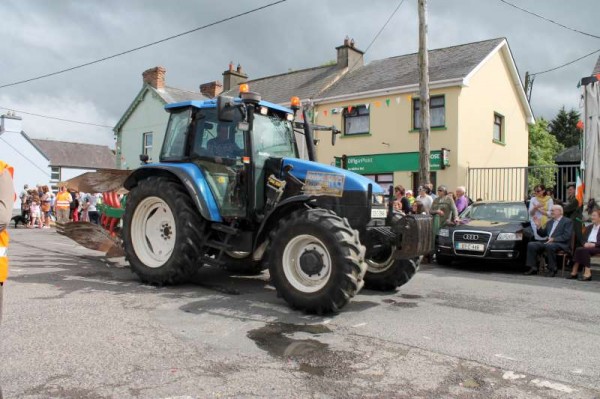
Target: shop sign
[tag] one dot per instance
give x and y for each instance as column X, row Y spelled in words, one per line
column 387, row 163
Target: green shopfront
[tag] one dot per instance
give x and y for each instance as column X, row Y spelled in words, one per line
column 391, row 169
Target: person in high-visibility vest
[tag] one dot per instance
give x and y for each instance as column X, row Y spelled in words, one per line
column 7, row 199
column 63, row 202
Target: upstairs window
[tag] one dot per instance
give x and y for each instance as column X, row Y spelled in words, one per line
column 147, row 143
column 498, row 128
column 55, row 173
column 356, row 120
column 437, row 110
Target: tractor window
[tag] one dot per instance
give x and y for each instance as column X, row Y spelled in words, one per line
column 174, row 145
column 273, row 137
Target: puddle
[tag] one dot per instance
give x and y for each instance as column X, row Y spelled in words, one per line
column 311, row 356
column 411, row 296
column 400, row 304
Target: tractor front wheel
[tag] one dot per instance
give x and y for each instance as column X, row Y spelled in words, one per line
column 384, row 273
column 162, row 232
column 316, row 261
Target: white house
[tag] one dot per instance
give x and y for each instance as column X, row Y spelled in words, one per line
column 31, row 165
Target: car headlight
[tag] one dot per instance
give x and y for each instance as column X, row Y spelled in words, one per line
column 510, row 237
column 444, row 233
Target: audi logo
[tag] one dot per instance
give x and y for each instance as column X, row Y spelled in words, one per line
column 470, row 237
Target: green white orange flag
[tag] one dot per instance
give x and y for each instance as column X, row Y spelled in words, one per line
column 579, row 187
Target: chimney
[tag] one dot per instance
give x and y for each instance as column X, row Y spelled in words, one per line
column 155, row 77
column 10, row 123
column 211, row 89
column 233, row 77
column 349, row 56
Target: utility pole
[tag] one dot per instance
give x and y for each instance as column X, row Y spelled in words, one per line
column 424, row 95
column 528, row 85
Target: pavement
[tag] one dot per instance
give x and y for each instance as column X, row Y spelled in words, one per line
column 78, row 325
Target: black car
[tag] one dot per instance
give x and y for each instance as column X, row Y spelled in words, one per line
column 488, row 230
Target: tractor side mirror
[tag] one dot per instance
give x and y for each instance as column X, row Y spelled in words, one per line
column 226, row 108
column 144, row 158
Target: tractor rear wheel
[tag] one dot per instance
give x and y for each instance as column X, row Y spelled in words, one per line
column 316, row 261
column 384, row 273
column 163, row 232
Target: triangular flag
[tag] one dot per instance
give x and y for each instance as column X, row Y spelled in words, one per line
column 378, row 103
column 367, row 105
column 397, row 100
column 350, row 108
column 387, row 102
column 579, row 187
column 324, row 112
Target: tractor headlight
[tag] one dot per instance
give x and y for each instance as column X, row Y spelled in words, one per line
column 444, row 233
column 510, row 237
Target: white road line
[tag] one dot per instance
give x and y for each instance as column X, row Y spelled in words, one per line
column 359, row 325
column 511, row 375
column 552, row 385
column 501, row 356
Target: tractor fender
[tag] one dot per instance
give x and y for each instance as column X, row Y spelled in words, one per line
column 190, row 176
column 283, row 208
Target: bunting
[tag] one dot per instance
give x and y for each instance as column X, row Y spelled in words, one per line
column 377, row 103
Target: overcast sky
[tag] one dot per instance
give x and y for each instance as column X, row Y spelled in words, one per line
column 45, row 36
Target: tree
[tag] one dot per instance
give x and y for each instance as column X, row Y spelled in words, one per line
column 543, row 147
column 564, row 127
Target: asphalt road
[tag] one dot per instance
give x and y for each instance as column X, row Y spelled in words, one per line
column 78, row 326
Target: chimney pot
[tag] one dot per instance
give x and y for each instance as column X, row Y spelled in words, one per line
column 231, row 65
column 349, row 56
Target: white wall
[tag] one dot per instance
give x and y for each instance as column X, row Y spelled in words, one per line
column 69, row 173
column 31, row 167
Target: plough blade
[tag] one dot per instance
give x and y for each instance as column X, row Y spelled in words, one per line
column 92, row 236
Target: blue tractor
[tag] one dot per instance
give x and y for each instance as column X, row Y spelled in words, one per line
column 230, row 190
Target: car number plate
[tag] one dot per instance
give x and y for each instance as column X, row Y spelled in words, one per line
column 467, row 246
column 379, row 213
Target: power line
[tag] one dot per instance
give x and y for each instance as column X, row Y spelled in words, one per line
column 568, row 63
column 550, row 20
column 143, row 46
column 55, row 118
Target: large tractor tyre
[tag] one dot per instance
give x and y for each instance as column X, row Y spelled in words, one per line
column 163, row 232
column 242, row 263
column 316, row 261
column 384, row 273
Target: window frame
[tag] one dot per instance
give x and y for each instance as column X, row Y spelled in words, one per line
column 52, row 172
column 502, row 139
column 416, row 105
column 147, row 149
column 355, row 113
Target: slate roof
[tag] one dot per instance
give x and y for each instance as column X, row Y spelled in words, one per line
column 77, row 155
column 445, row 63
column 174, row 95
column 569, row 155
column 304, row 83
column 597, row 67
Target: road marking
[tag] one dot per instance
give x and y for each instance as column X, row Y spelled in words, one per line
column 326, row 321
column 577, row 371
column 552, row 385
column 501, row 356
column 510, row 375
column 359, row 325
column 426, row 337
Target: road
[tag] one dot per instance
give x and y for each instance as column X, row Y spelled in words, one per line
column 77, row 325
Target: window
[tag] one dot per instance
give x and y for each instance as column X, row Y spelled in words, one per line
column 147, row 143
column 55, row 173
column 384, row 180
column 356, row 120
column 498, row 128
column 437, row 109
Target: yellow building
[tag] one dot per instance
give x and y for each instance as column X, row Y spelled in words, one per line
column 479, row 111
column 479, row 114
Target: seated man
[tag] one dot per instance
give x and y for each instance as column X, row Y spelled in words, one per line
column 221, row 146
column 557, row 234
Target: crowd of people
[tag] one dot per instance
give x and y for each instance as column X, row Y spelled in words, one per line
column 40, row 206
column 447, row 205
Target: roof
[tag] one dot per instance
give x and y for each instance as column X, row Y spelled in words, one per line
column 597, row 67
column 213, row 104
column 444, row 64
column 167, row 95
column 569, row 155
column 304, row 83
column 77, row 155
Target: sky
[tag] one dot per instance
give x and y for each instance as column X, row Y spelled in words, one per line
column 41, row 37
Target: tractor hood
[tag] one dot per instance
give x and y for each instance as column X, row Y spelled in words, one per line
column 351, row 181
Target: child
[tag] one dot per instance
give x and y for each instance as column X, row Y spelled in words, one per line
column 36, row 220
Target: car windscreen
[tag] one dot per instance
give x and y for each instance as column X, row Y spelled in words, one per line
column 500, row 212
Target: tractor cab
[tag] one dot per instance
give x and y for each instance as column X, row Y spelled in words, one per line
column 230, row 141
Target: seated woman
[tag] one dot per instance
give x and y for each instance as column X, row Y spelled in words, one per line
column 591, row 247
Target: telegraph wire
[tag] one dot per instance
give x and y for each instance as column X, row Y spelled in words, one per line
column 143, row 46
column 550, row 20
column 568, row 63
column 55, row 118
